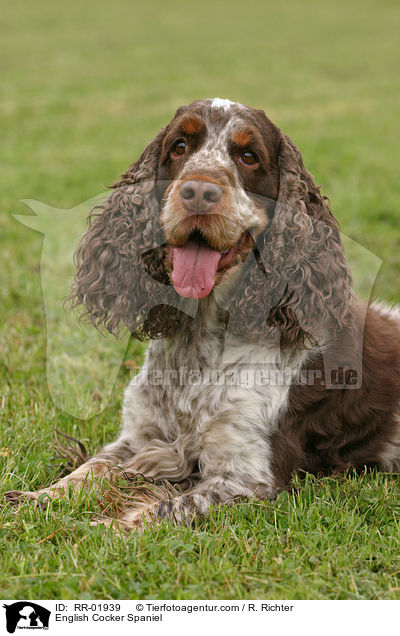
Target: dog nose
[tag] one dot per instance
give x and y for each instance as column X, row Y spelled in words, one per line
column 199, row 196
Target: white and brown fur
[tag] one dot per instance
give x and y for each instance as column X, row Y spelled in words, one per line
column 284, row 302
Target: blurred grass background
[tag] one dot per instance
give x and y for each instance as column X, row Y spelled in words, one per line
column 84, row 87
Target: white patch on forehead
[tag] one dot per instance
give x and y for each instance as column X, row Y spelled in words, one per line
column 221, row 103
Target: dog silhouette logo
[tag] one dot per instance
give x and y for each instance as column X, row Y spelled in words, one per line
column 26, row 615
column 82, row 363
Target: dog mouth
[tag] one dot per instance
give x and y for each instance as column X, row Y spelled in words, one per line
column 196, row 264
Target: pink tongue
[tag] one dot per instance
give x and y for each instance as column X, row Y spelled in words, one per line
column 194, row 269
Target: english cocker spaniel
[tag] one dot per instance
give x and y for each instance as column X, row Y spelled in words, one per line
column 218, row 246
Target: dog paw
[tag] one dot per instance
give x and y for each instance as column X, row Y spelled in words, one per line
column 179, row 509
column 17, row 496
column 20, row 496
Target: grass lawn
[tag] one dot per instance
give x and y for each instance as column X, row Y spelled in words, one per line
column 84, row 87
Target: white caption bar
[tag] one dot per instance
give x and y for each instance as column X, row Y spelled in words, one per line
column 193, row 617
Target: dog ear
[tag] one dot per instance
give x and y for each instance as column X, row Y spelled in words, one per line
column 121, row 280
column 302, row 285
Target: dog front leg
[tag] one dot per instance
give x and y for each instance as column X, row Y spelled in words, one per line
column 212, row 491
column 234, row 464
column 100, row 465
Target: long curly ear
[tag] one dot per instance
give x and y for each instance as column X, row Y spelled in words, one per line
column 120, row 276
column 317, row 274
column 302, row 285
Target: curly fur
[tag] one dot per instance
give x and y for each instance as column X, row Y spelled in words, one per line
column 282, row 302
column 300, row 255
column 304, row 270
column 122, row 240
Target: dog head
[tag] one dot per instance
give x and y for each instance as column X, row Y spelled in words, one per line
column 219, row 190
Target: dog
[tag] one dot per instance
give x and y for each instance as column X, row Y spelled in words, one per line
column 218, row 246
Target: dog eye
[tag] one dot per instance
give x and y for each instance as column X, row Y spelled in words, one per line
column 248, row 158
column 179, row 148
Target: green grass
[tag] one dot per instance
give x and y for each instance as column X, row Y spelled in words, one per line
column 333, row 538
column 84, row 87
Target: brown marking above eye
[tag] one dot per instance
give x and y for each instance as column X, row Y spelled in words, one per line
column 242, row 138
column 179, row 148
column 192, row 125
